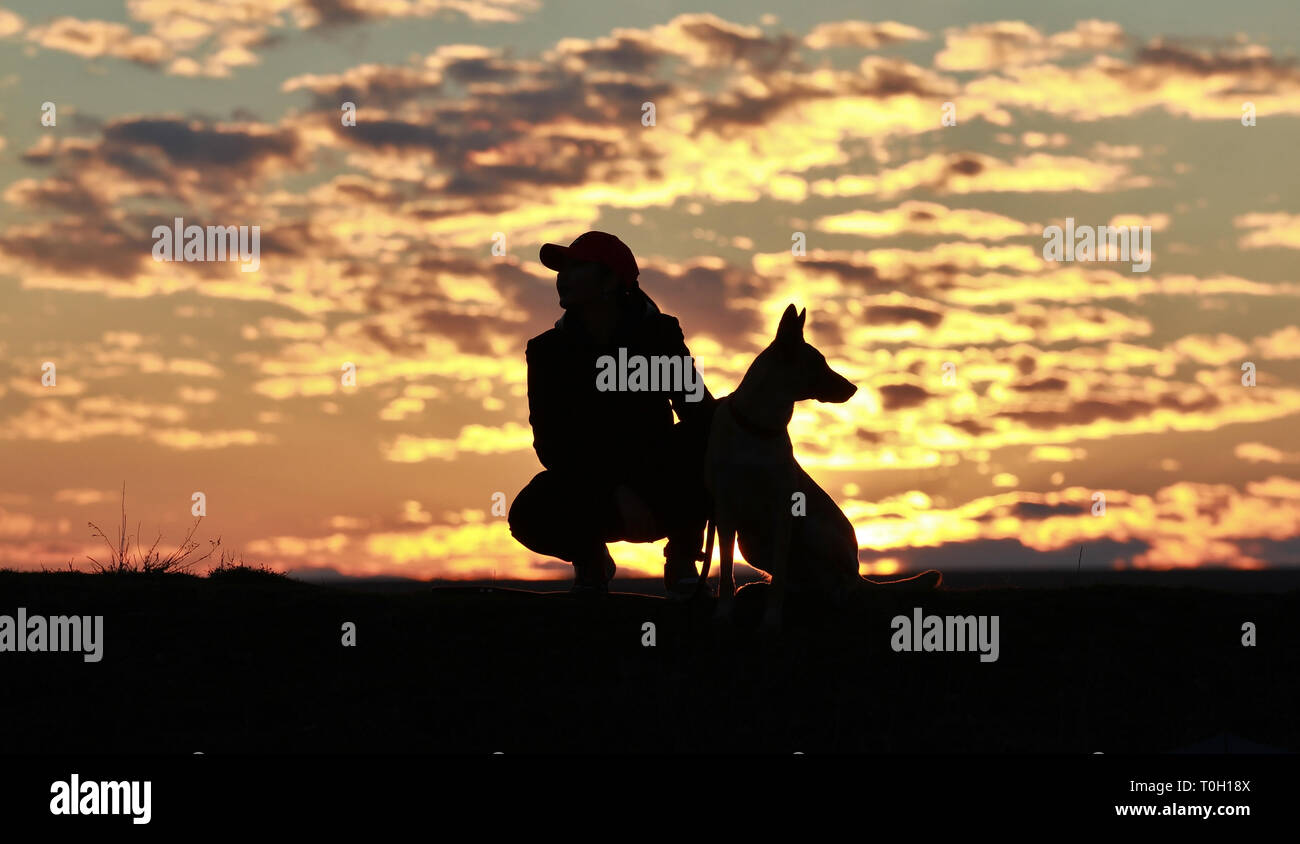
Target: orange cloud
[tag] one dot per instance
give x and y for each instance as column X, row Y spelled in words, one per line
column 473, row 439
column 1283, row 344
column 989, row 46
column 977, row 173
column 855, row 33
column 1261, row 453
column 1281, row 230
column 924, row 218
column 92, row 39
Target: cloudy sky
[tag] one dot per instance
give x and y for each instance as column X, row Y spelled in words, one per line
column 511, row 123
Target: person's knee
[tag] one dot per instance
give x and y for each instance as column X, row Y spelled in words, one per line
column 548, row 516
column 525, row 514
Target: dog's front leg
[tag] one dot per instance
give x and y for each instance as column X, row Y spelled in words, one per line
column 726, row 577
column 780, row 567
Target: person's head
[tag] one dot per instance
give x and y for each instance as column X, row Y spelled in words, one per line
column 596, row 267
column 583, row 283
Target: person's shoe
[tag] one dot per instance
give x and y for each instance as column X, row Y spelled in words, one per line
column 589, row 581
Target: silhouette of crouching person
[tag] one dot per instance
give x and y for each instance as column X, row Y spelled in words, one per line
column 617, row 468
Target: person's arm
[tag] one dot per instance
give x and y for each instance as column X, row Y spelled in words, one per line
column 690, row 404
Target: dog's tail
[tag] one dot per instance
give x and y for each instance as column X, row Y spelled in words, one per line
column 708, row 557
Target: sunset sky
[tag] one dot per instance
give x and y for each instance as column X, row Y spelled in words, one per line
column 519, row 122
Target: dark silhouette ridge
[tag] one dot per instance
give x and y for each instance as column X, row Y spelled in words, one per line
column 221, row 666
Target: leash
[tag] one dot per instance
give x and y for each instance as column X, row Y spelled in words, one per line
column 708, row 558
column 712, row 528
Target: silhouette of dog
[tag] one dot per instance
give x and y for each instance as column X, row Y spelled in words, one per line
column 752, row 474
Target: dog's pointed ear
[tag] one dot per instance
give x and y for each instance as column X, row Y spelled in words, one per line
column 791, row 328
column 802, row 316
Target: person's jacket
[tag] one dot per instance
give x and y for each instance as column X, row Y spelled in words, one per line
column 606, row 434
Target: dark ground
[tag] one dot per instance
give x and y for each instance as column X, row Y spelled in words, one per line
column 255, row 664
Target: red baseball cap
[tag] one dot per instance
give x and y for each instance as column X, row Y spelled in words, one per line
column 600, row 247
